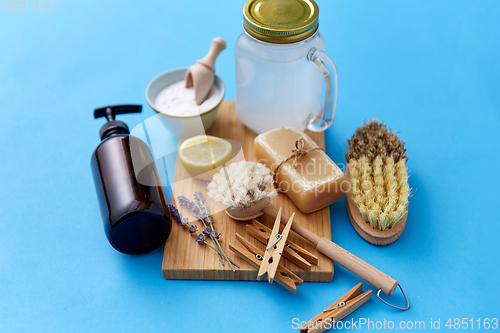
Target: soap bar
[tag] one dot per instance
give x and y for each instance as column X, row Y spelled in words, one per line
column 316, row 182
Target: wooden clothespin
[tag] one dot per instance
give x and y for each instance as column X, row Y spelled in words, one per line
column 274, row 249
column 254, row 256
column 293, row 252
column 337, row 311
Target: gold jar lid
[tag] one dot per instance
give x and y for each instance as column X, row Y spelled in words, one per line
column 280, row 21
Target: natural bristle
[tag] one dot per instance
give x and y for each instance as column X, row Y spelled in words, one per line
column 374, row 139
column 240, row 184
column 378, row 175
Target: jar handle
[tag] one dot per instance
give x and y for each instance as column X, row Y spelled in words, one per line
column 328, row 69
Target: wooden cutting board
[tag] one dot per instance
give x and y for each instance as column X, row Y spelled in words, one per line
column 184, row 258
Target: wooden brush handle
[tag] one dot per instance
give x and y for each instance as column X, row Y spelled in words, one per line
column 359, row 267
column 309, row 235
column 348, row 260
column 218, row 44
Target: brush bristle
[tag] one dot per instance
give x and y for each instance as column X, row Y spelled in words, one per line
column 241, row 183
column 378, row 175
column 374, row 139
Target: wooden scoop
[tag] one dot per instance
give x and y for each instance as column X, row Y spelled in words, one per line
column 200, row 76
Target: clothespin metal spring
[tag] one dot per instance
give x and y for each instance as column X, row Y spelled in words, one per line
column 341, row 305
column 278, row 238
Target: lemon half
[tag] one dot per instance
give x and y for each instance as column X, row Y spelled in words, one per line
column 203, row 155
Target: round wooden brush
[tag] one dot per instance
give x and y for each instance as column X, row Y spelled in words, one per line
column 244, row 188
column 378, row 198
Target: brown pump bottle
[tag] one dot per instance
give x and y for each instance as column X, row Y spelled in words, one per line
column 133, row 206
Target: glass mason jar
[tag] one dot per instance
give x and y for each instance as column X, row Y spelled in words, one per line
column 280, row 66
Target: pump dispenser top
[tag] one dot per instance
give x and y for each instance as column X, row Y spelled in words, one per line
column 115, row 126
column 133, row 206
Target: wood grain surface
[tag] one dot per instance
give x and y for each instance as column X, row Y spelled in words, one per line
column 184, row 258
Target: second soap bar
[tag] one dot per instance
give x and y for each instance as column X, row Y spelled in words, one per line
column 316, row 182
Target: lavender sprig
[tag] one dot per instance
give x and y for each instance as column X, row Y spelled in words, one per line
column 193, row 229
column 202, row 213
column 178, row 216
column 199, row 214
column 215, row 234
column 205, row 217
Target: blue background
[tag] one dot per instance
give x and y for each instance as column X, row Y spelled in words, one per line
column 429, row 69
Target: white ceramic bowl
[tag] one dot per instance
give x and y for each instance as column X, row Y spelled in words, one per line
column 183, row 126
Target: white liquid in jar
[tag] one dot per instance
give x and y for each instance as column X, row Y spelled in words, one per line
column 276, row 85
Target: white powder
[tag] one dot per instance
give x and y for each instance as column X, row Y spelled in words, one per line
column 177, row 100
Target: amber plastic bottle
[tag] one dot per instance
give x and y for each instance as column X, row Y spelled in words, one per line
column 133, row 206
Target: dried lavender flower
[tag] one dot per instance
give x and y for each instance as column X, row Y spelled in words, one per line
column 215, row 234
column 202, row 213
column 201, row 238
column 183, row 200
column 174, row 212
column 183, row 221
